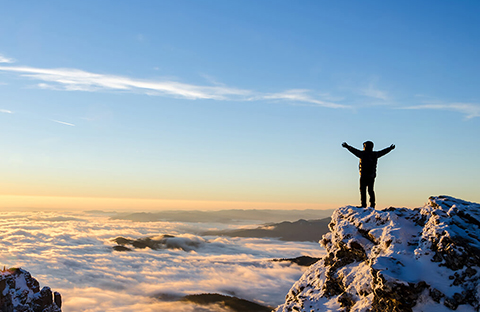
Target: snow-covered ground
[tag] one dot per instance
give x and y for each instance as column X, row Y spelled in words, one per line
column 21, row 292
column 420, row 260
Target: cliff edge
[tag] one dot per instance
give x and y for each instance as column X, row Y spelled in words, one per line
column 19, row 291
column 400, row 260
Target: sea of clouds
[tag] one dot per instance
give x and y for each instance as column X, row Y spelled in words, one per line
column 72, row 253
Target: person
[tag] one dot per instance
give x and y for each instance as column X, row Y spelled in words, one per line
column 368, row 168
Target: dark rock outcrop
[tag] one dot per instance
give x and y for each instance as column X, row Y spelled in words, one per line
column 185, row 242
column 231, row 303
column 19, row 291
column 301, row 261
column 121, row 248
column 396, row 260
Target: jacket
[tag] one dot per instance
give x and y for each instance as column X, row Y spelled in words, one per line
column 368, row 160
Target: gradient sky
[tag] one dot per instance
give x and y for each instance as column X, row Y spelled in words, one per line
column 236, row 103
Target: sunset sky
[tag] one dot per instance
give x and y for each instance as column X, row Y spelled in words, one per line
column 146, row 105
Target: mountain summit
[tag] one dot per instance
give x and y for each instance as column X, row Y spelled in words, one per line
column 396, row 260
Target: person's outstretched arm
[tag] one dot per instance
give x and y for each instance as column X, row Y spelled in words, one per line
column 385, row 150
column 352, row 149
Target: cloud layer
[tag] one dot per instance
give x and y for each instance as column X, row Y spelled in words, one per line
column 73, row 254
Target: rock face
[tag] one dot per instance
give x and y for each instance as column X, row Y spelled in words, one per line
column 397, row 259
column 19, row 291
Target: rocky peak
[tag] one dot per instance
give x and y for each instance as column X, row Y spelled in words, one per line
column 19, row 291
column 396, row 259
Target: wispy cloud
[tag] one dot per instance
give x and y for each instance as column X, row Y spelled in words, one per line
column 63, row 122
column 374, row 92
column 78, row 80
column 75, row 79
column 300, row 95
column 6, row 111
column 471, row 110
column 4, row 59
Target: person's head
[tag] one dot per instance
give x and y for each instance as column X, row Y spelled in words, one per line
column 368, row 146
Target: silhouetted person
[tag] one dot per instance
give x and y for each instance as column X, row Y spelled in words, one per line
column 368, row 168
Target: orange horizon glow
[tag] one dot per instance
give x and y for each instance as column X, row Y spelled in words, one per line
column 26, row 202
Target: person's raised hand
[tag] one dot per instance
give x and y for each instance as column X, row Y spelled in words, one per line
column 392, row 146
column 344, row 144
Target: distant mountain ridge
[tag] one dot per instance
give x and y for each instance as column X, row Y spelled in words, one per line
column 396, row 260
column 301, row 230
column 225, row 216
column 232, row 303
column 215, row 300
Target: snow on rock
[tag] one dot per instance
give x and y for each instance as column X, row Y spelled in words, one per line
column 19, row 291
column 397, row 259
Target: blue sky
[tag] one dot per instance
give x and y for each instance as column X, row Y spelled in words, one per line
column 238, row 101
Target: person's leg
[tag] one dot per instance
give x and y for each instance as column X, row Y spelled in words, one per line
column 363, row 191
column 371, row 192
